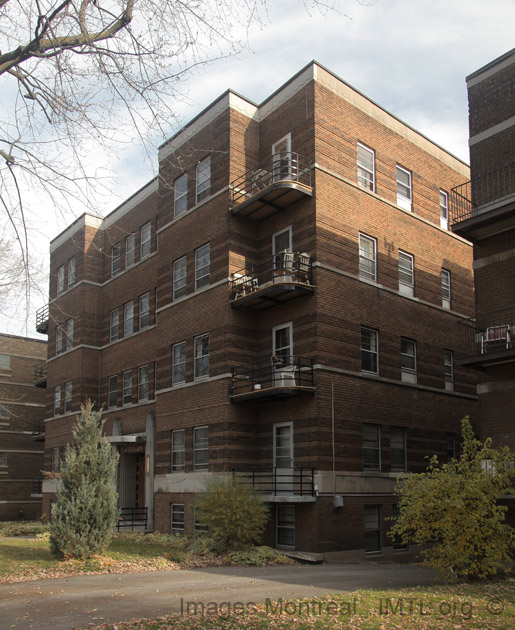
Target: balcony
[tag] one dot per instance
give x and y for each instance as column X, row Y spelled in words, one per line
column 38, row 431
column 272, row 186
column 42, row 320
column 281, row 485
column 274, row 377
column 488, row 339
column 484, row 206
column 40, row 374
column 275, row 280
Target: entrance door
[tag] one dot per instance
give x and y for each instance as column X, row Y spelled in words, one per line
column 281, row 159
column 282, row 355
column 283, row 458
column 282, row 255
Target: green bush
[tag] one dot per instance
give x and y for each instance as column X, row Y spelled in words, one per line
column 234, row 513
column 258, row 557
column 22, row 528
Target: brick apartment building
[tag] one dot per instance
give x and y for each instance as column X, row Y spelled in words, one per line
column 22, row 410
column 280, row 303
column 483, row 212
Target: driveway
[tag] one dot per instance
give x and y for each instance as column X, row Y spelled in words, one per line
column 66, row 603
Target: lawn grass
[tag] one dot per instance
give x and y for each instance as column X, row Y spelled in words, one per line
column 487, row 606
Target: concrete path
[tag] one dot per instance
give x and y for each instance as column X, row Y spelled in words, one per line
column 82, row 601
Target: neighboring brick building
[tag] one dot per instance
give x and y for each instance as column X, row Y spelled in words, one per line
column 22, row 409
column 281, row 302
column 484, row 212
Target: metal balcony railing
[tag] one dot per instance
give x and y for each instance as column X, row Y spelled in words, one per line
column 40, row 372
column 281, row 268
column 487, row 334
column 135, row 518
column 42, row 317
column 274, row 373
column 280, row 481
column 280, row 167
column 467, row 199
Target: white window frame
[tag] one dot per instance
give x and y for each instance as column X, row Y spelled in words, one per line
column 130, row 250
column 406, row 267
column 145, row 240
column 365, row 259
column 144, row 310
column 376, row 530
column 57, row 400
column 202, row 268
column 68, row 394
column 373, row 351
column 366, row 177
column 127, row 388
column 176, row 522
column 396, row 432
column 200, row 447
column 445, row 278
column 115, row 260
column 203, row 179
column 180, row 197
column 404, row 201
column 289, row 456
column 200, row 357
column 114, row 325
column 444, row 210
column 375, row 449
column 112, row 391
column 180, row 271
column 71, row 271
column 69, row 333
column 60, row 280
column 408, row 372
column 128, row 318
column 448, row 366
column 178, row 367
column 178, row 450
column 143, row 383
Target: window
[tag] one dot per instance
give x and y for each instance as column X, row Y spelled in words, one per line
column 143, row 382
column 398, row 449
column 177, row 519
column 202, row 266
column 4, row 411
column 68, row 388
column 451, row 446
column 201, row 356
column 372, row 523
column 369, row 361
column 367, row 258
column 113, row 325
column 145, row 233
column 448, row 366
column 179, row 278
column 144, row 310
column 200, row 448
column 403, row 188
column 180, row 195
column 71, row 272
column 203, row 179
column 58, row 340
column 199, row 527
column 286, row 526
column 444, row 210
column 179, row 363
column 128, row 318
column 406, row 275
column 3, row 459
column 112, row 391
column 55, row 459
column 408, row 360
column 366, row 167
column 60, row 279
column 127, row 388
column 178, row 449
column 5, row 362
column 115, row 260
column 69, row 334
column 371, row 447
column 57, row 400
column 130, row 247
column 397, row 544
column 446, row 288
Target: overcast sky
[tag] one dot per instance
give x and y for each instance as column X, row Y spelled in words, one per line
column 409, row 56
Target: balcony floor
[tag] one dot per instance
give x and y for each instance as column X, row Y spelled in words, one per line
column 271, row 294
column 273, row 392
column 275, row 198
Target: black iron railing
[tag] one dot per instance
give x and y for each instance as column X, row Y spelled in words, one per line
column 284, row 371
column 281, row 268
column 42, row 316
column 469, row 198
column 40, row 372
column 487, row 334
column 280, row 481
column 135, row 518
column 280, row 167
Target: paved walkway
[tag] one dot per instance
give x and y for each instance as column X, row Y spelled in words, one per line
column 82, row 601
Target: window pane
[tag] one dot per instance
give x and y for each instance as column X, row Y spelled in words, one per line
column 286, row 525
column 113, row 391
column 369, row 350
column 202, row 356
column 60, row 279
column 68, row 396
column 179, row 278
column 446, row 284
column 144, row 310
column 146, row 232
column 200, row 448
column 127, row 387
column 405, row 269
column 371, row 447
column 115, row 260
column 202, row 266
column 177, row 520
column 372, row 523
column 5, row 362
column 71, row 271
column 203, row 179
column 180, row 195
column 69, row 334
column 130, row 245
column 178, row 449
column 128, row 318
column 179, row 363
column 113, row 330
column 143, row 382
column 408, row 358
column 365, row 167
column 403, row 188
column 398, row 449
column 367, row 257
column 4, row 411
